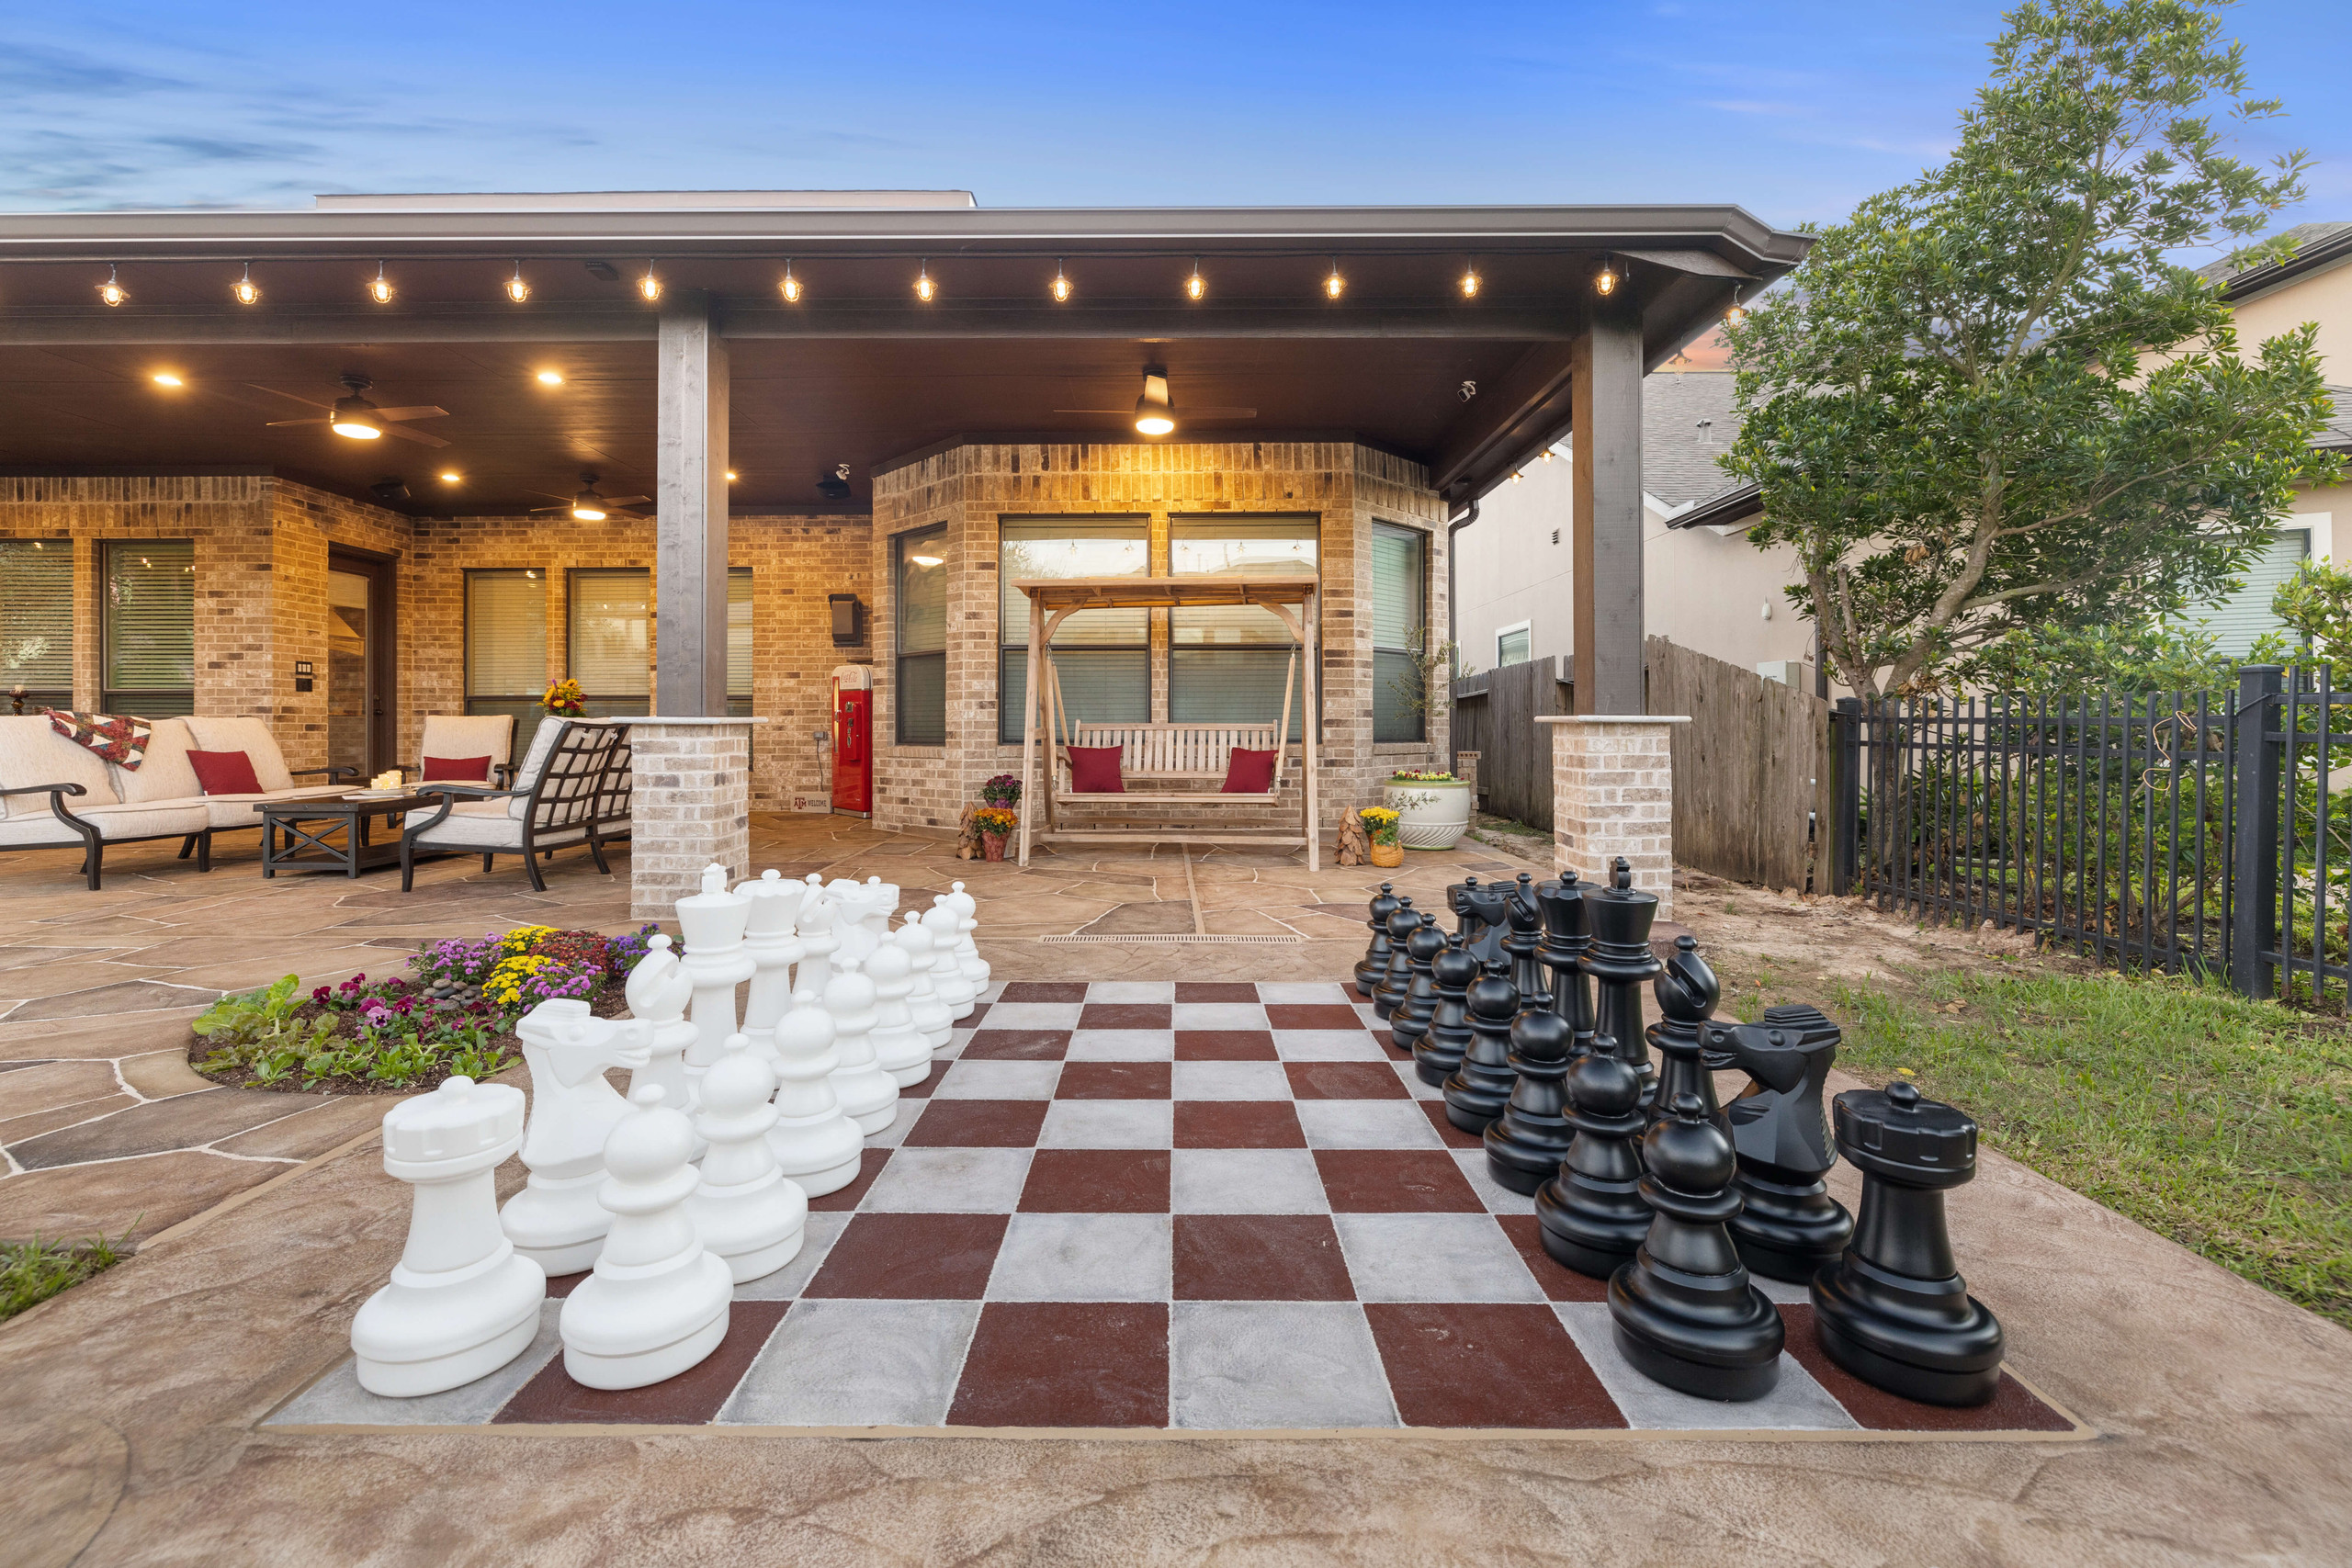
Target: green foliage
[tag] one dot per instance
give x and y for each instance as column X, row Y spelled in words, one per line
column 33, row 1271
column 1990, row 400
column 2055, row 659
column 2316, row 605
column 279, row 1037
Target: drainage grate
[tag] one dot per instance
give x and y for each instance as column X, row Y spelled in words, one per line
column 1241, row 940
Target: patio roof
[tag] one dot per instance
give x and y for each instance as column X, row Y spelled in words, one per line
column 1162, row 592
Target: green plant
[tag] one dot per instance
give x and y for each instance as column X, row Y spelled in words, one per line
column 1379, row 824
column 1002, row 790
column 33, row 1271
column 1419, row 688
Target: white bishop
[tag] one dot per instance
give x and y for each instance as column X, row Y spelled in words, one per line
column 933, row 1021
column 774, row 950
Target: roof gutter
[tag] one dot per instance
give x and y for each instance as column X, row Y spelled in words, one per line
column 1730, row 508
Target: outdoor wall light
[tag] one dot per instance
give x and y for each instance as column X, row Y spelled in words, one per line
column 517, row 289
column 790, row 287
column 1195, row 286
column 1470, row 280
column 246, row 291
column 1605, row 281
column 380, row 291
column 649, row 286
column 1061, row 283
column 1335, row 286
column 925, row 290
column 110, row 291
column 1155, row 410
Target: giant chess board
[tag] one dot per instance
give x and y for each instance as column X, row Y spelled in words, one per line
column 1140, row 1208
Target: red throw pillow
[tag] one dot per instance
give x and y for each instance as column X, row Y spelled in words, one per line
column 1094, row 770
column 1248, row 772
column 458, row 770
column 224, row 772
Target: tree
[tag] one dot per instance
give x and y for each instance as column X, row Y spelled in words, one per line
column 1990, row 400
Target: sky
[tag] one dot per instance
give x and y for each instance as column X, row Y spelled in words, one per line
column 1793, row 111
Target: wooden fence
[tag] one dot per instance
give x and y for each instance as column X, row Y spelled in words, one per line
column 1494, row 714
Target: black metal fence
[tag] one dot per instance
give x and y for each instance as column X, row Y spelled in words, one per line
column 2189, row 832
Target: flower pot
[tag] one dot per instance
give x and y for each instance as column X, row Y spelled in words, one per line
column 991, row 846
column 1388, row 854
column 1429, row 816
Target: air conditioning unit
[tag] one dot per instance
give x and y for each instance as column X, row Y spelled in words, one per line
column 1797, row 673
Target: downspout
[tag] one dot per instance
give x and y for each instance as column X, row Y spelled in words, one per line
column 1452, row 613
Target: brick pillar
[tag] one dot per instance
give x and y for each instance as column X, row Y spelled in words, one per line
column 691, row 808
column 1613, row 794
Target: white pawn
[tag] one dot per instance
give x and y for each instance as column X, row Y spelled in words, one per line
column 712, row 923
column 946, row 974
column 967, row 952
column 461, row 1303
column 557, row 1221
column 658, row 1302
column 746, row 1211
column 815, row 1144
column 869, row 1096
column 658, row 989
column 897, row 1049
column 933, row 1021
column 818, row 942
column 774, row 949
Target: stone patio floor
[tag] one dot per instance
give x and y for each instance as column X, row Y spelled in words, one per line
column 135, row 1400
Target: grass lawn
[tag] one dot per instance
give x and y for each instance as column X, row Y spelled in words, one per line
column 2223, row 1124
column 33, row 1271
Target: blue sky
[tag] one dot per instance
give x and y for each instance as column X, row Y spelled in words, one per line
column 1794, row 110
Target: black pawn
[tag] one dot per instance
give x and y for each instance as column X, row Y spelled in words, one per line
column 1686, row 1313
column 1894, row 1311
column 1439, row 1052
column 1563, row 943
column 1478, row 1090
column 1390, row 990
column 1788, row 1225
column 1521, row 942
column 1687, row 992
column 1620, row 961
column 1527, row 1142
column 1374, row 961
column 1411, row 1019
column 1592, row 1214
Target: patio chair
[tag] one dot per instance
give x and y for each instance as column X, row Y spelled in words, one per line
column 552, row 805
column 453, row 737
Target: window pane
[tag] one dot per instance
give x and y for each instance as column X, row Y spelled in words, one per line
column 1395, row 696
column 150, row 625
column 611, row 651
column 36, row 618
column 1111, row 688
column 923, row 699
column 1099, row 686
column 739, row 636
column 1511, row 647
column 922, row 591
column 1224, row 546
column 1399, row 601
column 507, row 642
column 1232, row 685
column 2242, row 618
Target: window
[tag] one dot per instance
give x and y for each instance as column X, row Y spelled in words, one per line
column 506, row 643
column 149, row 629
column 612, row 651
column 920, row 566
column 2242, row 618
column 1512, row 644
column 1225, row 665
column 36, row 620
column 1103, row 657
column 1399, row 631
column 738, row 641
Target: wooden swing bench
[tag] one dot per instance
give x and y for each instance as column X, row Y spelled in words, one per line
column 1182, row 765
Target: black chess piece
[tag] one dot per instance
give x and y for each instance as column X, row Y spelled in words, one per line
column 1563, row 943
column 1894, row 1310
column 1788, row 1225
column 1439, row 1051
column 1687, row 992
column 1398, row 979
column 1411, row 1019
column 1521, row 942
column 1479, row 919
column 1619, row 960
column 1374, row 961
column 1592, row 1216
column 1478, row 1090
column 1686, row 1313
column 1527, row 1142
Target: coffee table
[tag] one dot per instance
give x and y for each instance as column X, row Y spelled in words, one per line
column 300, row 835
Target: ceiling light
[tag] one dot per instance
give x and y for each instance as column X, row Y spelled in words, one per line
column 451, row 479
column 926, row 560
column 1061, row 283
column 925, row 287
column 1606, row 280
column 790, row 286
column 587, row 512
column 246, row 291
column 1470, row 281
column 166, row 379
column 517, row 289
column 552, row 377
column 110, row 291
column 355, row 416
column 1155, row 410
column 649, row 287
column 380, row 291
column 1335, row 286
column 1195, row 286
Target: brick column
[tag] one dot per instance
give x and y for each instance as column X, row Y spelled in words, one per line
column 691, row 808
column 1613, row 794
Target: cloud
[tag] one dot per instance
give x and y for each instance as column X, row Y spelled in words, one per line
column 32, row 68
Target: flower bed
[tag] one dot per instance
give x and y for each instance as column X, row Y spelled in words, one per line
column 453, row 1012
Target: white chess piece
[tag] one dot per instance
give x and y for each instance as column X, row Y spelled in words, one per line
column 658, row 1302
column 768, row 938
column 461, row 1303
column 967, row 952
column 815, row 1144
column 946, row 974
column 556, row 1221
column 933, row 1021
column 881, row 903
column 899, row 1050
column 712, row 923
column 746, row 1211
column 658, row 989
column 818, row 942
column 869, row 1096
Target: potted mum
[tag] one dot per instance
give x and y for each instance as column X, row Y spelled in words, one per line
column 1432, row 807
column 1003, row 790
column 993, row 823
column 1380, row 828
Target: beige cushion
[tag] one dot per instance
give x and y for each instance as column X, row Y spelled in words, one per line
column 165, row 773
column 499, row 832
column 250, row 736
column 33, row 753
column 112, row 821
column 462, row 735
column 461, row 808
column 237, row 810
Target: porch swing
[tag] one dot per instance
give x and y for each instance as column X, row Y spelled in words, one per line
column 1184, row 762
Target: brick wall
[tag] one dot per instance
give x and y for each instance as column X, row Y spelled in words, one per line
column 1612, row 795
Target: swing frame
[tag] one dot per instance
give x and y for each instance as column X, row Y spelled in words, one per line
column 1164, row 750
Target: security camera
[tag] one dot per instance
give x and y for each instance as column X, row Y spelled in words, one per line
column 1467, row 390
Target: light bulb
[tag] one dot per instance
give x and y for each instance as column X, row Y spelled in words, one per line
column 1605, row 281
column 790, row 286
column 731, row 475
column 587, row 514
column 451, row 479
column 650, row 288
column 166, row 379
column 1061, row 283
column 1470, row 281
column 1335, row 286
column 380, row 291
column 110, row 291
column 1195, row 286
column 1736, row 314
column 246, row 291
column 517, row 289
column 552, row 377
column 925, row 287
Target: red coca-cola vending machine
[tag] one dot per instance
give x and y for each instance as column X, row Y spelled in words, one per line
column 853, row 739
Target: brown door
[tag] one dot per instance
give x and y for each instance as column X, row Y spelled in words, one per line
column 360, row 664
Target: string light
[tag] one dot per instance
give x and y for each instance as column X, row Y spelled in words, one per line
column 1470, row 280
column 380, row 291
column 649, row 286
column 1061, row 283
column 925, row 287
column 790, row 286
column 246, row 291
column 1195, row 286
column 1738, row 313
column 1517, row 475
column 517, row 289
column 110, row 291
column 1335, row 286
column 1605, row 281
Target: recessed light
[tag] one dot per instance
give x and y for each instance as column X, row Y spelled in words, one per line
column 451, row 479
column 166, row 379
column 731, row 475
column 552, row 377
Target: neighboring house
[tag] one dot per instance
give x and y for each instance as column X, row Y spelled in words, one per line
column 1704, row 586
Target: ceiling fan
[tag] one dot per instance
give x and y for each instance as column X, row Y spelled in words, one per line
column 358, row 418
column 1155, row 411
column 589, row 507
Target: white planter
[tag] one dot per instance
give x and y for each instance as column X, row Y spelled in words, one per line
column 1429, row 816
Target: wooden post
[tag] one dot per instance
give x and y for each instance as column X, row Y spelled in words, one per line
column 1029, row 704
column 1307, row 713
